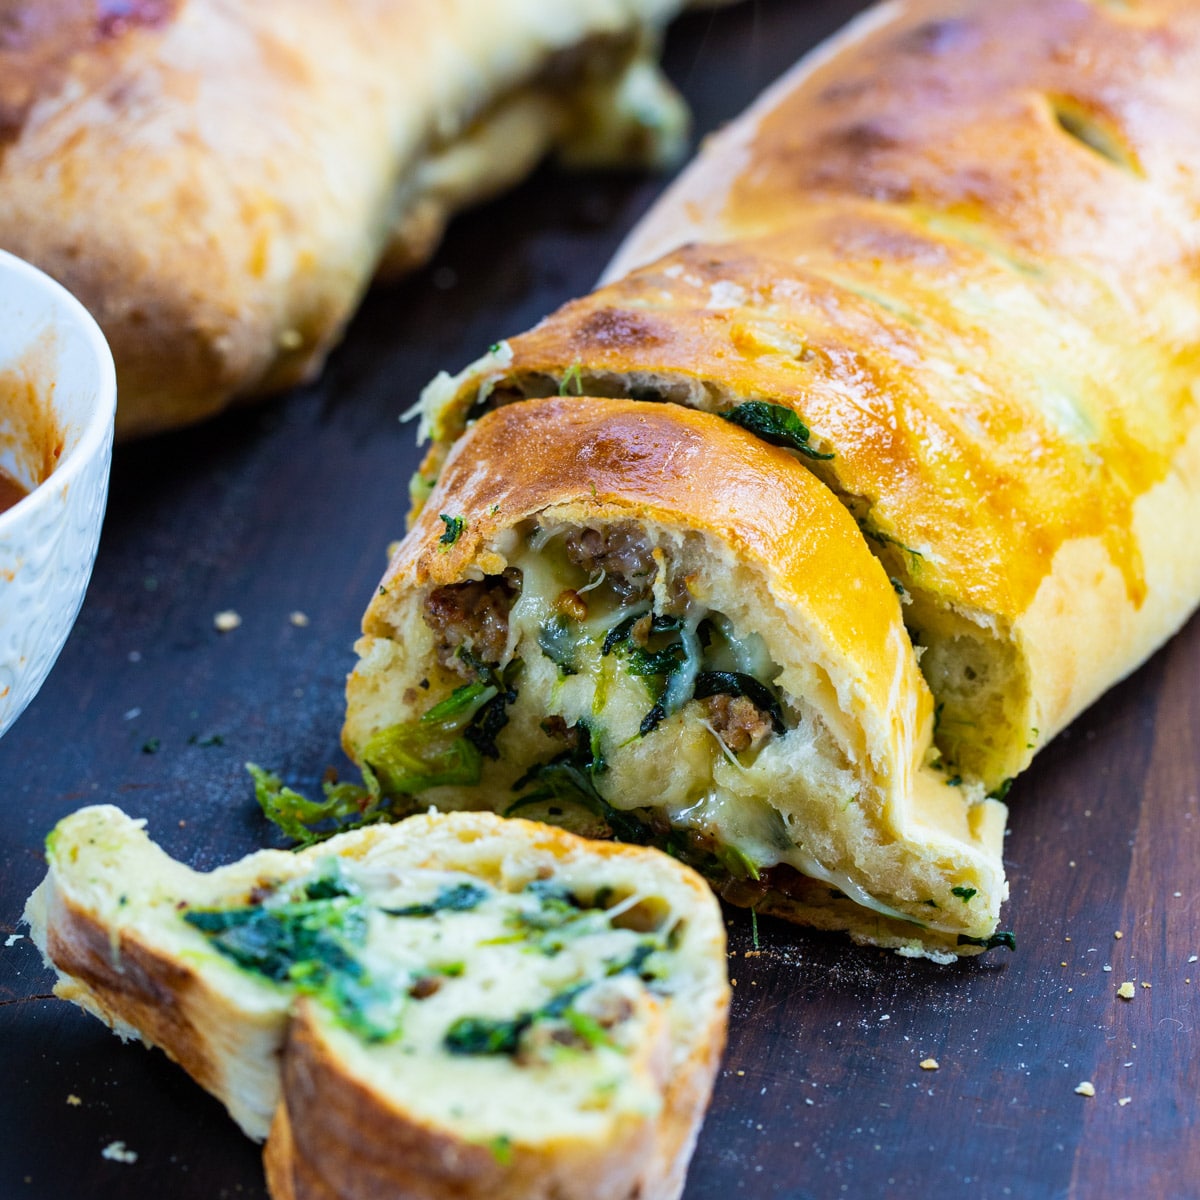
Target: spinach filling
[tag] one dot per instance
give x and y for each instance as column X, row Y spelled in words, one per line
column 311, row 944
column 461, row 897
column 568, row 782
column 480, row 1036
column 775, row 424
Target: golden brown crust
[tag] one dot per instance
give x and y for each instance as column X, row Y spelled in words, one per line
column 959, row 248
column 223, row 255
column 661, row 462
column 335, row 1136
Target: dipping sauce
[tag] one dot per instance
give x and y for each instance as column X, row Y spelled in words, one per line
column 30, row 441
column 10, row 491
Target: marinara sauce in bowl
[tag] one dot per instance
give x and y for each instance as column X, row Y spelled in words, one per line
column 58, row 395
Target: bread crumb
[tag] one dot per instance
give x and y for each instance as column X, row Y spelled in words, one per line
column 929, row 1064
column 1124, row 1100
column 299, row 619
column 73, row 1100
column 1118, row 934
column 1125, row 991
column 1085, row 1089
column 117, row 1152
column 1145, row 984
column 13, row 939
column 1194, row 958
column 739, row 1072
column 226, row 621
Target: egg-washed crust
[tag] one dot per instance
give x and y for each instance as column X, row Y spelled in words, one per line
column 957, row 242
column 222, row 255
column 275, row 1054
column 563, row 461
column 654, row 462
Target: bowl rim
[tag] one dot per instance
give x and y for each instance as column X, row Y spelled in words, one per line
column 97, row 430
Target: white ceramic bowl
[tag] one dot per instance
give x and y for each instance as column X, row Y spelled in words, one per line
column 50, row 346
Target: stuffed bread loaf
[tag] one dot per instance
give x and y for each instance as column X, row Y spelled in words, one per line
column 950, row 261
column 643, row 621
column 455, row 1006
column 218, row 182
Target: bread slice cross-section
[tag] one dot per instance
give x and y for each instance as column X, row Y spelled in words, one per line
column 458, row 1005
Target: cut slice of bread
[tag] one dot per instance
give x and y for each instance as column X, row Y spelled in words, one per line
column 459, row 1005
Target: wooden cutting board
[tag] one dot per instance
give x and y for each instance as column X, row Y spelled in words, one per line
column 289, row 508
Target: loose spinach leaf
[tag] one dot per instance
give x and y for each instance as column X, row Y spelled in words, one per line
column 484, row 1035
column 735, row 683
column 656, row 668
column 774, row 424
column 1004, row 937
column 345, row 806
column 620, row 635
column 492, row 716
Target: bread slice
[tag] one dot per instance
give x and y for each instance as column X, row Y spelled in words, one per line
column 961, row 262
column 647, row 623
column 458, row 1005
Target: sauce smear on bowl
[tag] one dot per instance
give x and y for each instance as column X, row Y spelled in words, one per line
column 10, row 491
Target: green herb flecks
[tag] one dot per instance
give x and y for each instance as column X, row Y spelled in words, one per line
column 886, row 539
column 965, row 894
column 454, row 529
column 460, row 897
column 1002, row 791
column 502, row 1149
column 774, row 424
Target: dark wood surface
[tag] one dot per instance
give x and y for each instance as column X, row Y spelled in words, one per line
column 289, row 507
